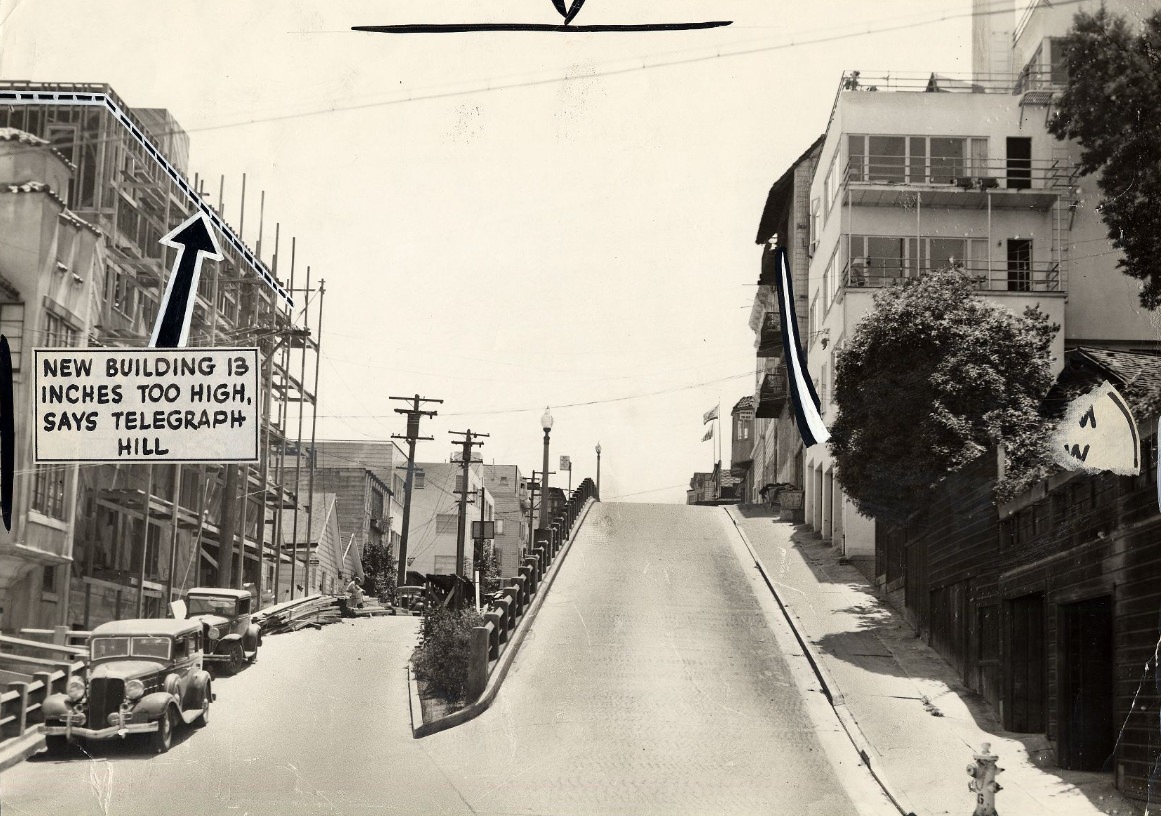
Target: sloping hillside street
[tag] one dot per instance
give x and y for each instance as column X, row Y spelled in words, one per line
column 658, row 677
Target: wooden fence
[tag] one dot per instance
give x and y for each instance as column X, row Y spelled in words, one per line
column 31, row 670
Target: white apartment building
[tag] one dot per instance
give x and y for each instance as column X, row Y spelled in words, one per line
column 923, row 173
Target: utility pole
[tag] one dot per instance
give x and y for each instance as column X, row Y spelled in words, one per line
column 478, row 543
column 533, row 488
column 412, row 436
column 468, row 443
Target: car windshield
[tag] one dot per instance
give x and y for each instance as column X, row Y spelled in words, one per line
column 151, row 647
column 203, row 605
column 135, row 646
column 110, row 647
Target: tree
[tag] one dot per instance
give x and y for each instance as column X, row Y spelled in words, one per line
column 1109, row 106
column 378, row 570
column 932, row 378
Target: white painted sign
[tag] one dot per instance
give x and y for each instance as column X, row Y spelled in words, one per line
column 1098, row 433
column 146, row 405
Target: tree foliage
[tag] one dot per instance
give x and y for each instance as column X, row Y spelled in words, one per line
column 1110, row 108
column 932, row 378
column 445, row 648
column 378, row 570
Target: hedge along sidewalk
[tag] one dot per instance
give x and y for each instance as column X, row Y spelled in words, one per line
column 494, row 642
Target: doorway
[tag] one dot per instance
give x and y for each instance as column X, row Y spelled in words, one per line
column 1019, row 265
column 1087, row 725
column 1024, row 687
column 1019, row 163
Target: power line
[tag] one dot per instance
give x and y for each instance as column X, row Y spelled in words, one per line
column 497, row 84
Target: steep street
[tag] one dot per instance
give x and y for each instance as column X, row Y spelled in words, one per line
column 655, row 680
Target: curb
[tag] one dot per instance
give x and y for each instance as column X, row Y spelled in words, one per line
column 829, row 687
column 15, row 750
column 497, row 675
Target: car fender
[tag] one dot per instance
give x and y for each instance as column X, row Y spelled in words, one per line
column 56, row 706
column 199, row 686
column 231, row 638
column 152, row 705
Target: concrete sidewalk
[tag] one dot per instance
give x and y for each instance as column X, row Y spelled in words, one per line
column 919, row 723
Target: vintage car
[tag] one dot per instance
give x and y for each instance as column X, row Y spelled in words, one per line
column 411, row 599
column 144, row 677
column 232, row 638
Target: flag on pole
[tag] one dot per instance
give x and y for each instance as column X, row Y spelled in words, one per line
column 708, row 434
column 709, row 415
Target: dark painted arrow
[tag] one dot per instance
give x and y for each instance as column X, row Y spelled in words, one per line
column 7, row 434
column 571, row 11
column 194, row 240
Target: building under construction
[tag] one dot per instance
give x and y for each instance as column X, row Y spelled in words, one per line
column 138, row 535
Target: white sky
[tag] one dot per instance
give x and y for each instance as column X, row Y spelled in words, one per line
column 563, row 220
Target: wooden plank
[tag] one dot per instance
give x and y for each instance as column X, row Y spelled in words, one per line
column 45, row 647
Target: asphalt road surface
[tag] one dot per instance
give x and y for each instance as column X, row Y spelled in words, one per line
column 657, row 678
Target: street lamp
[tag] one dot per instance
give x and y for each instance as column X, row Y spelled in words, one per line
column 546, row 424
column 598, row 471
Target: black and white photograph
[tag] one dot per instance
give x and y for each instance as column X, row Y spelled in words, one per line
column 580, row 408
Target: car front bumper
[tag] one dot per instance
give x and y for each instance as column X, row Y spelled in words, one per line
column 99, row 733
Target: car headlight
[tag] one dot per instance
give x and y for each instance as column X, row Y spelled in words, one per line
column 213, row 634
column 134, row 689
column 75, row 689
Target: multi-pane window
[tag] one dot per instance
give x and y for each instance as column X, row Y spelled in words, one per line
column 446, row 523
column 58, row 331
column 916, row 159
column 831, row 185
column 877, row 256
column 830, row 285
column 376, row 504
column 48, row 481
column 48, row 490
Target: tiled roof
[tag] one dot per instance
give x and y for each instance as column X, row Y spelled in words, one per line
column 744, row 404
column 10, row 134
column 1135, row 374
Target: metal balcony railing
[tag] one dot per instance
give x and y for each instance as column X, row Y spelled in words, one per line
column 888, row 81
column 1022, row 276
column 770, row 336
column 958, row 172
column 772, row 393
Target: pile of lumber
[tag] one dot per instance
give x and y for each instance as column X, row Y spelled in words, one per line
column 372, row 609
column 315, row 611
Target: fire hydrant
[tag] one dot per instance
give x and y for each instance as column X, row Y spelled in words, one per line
column 984, row 784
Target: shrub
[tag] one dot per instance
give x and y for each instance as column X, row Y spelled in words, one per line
column 445, row 647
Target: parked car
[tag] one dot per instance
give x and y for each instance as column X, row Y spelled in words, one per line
column 144, row 677
column 411, row 598
column 232, row 638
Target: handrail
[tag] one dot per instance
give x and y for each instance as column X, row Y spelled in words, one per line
column 37, row 645
column 964, row 172
column 1030, row 276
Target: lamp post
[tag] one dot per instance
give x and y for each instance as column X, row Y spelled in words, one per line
column 546, row 424
column 598, row 471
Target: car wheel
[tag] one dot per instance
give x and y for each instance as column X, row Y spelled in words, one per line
column 57, row 744
column 204, row 718
column 162, row 738
column 237, row 658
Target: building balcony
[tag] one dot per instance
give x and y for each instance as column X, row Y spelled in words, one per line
column 770, row 336
column 772, row 393
column 956, row 182
column 1024, row 276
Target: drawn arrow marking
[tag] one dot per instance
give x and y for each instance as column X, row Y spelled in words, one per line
column 194, row 240
column 572, row 11
column 7, row 434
